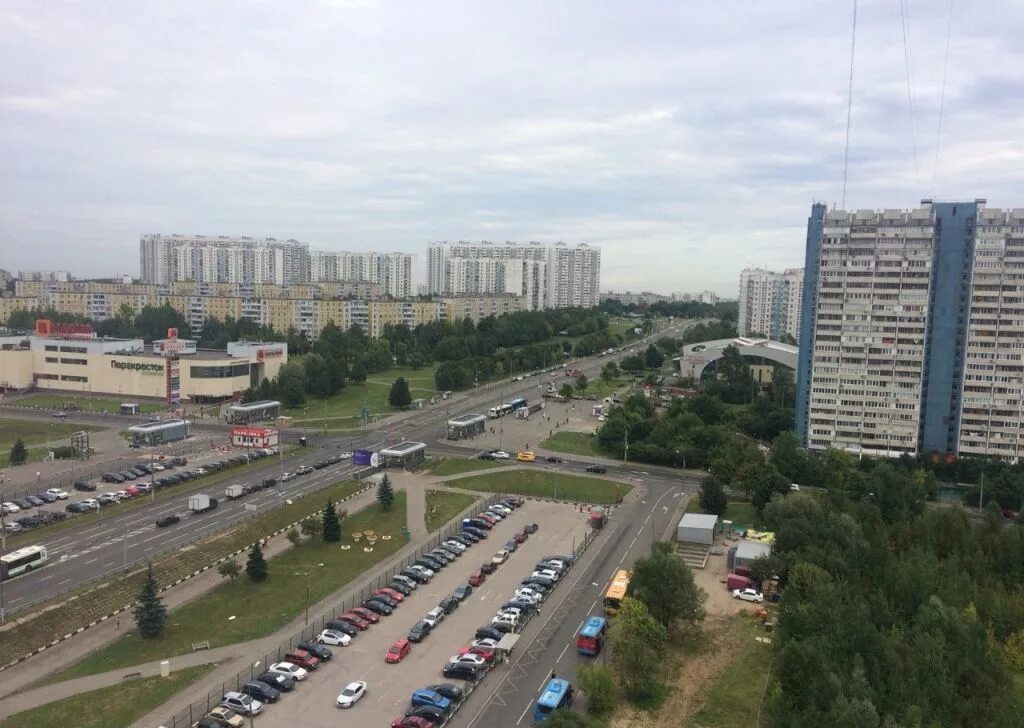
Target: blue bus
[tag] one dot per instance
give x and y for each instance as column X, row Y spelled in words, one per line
column 557, row 694
column 590, row 638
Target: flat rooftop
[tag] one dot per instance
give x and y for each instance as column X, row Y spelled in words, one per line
column 403, row 448
column 467, row 419
column 156, row 426
column 257, row 405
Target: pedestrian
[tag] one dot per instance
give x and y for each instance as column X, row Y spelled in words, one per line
column 117, row 622
column 553, row 675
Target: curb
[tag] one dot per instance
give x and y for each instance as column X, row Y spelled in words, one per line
column 125, row 608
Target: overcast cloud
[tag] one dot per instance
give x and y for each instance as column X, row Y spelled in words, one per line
column 686, row 139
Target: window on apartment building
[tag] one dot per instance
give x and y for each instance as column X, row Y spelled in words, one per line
column 67, row 360
column 51, row 347
column 73, row 349
column 46, row 376
column 73, row 378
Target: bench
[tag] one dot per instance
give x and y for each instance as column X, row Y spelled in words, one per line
column 131, row 675
column 196, row 646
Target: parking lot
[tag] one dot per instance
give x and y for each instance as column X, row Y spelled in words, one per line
column 389, row 686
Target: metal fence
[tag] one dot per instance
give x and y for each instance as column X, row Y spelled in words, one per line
column 261, row 663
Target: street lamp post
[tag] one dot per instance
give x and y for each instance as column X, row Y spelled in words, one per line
column 305, row 574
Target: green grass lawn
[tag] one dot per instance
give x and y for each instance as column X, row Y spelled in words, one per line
column 443, row 507
column 741, row 513
column 457, row 466
column 546, row 485
column 345, row 408
column 33, row 432
column 239, row 611
column 117, row 705
column 596, row 387
column 86, row 404
column 733, row 700
column 573, row 443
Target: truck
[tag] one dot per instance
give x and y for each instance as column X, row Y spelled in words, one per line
column 200, row 503
column 234, row 491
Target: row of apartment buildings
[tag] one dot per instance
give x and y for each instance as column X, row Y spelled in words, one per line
column 547, row 276
column 647, row 298
column 912, row 333
column 770, row 302
column 306, row 307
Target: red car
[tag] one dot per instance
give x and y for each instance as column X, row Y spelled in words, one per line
column 303, row 659
column 476, row 578
column 389, row 592
column 520, row 537
column 398, row 651
column 483, row 652
column 486, row 519
column 132, row 490
column 354, row 619
column 411, row 721
column 366, row 614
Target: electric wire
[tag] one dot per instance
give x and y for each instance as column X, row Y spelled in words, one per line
column 942, row 99
column 849, row 103
column 910, row 93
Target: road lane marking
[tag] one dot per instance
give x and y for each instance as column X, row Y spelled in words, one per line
column 91, row 561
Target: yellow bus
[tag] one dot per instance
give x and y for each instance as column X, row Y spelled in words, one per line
column 616, row 592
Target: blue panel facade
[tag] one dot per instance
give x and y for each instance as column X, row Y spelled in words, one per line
column 947, row 325
column 809, row 308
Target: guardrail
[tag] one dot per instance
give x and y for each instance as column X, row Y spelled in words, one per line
column 259, row 664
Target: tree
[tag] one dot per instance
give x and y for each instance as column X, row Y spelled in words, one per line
column 150, row 612
column 567, row 391
column 581, row 383
column 638, row 642
column 291, row 384
column 294, row 536
column 664, row 583
column 385, row 494
column 653, row 358
column 331, row 524
column 598, row 682
column 610, row 371
column 230, row 569
column 256, row 566
column 712, row 496
column 312, row 527
column 19, row 453
column 399, row 396
column 565, row 718
column 358, row 372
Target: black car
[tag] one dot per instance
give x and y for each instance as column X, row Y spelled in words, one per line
column 537, row 586
column 379, row 607
column 429, row 712
column 76, row 508
column 419, row 631
column 480, row 533
column 597, row 469
column 428, row 563
column 261, row 691
column 418, row 577
column 127, row 475
column 342, row 626
column 320, row 465
column 45, row 497
column 452, row 692
column 24, row 503
column 462, row 592
column 438, row 555
column 486, row 456
column 543, row 581
column 487, row 632
column 448, row 604
column 282, row 683
column 553, row 459
column 167, row 521
column 144, row 468
column 488, row 568
column 83, row 485
column 324, row 653
column 531, row 528
column 393, row 603
column 112, row 478
column 462, row 671
column 466, row 539
column 503, row 627
column 403, row 589
column 29, row 521
column 450, row 550
column 269, row 482
column 524, row 606
column 478, row 523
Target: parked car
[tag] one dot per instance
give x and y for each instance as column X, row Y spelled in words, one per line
column 434, row 617
column 333, row 637
column 375, row 605
column 355, row 620
column 389, row 592
column 167, row 521
column 241, row 703
column 397, row 652
column 748, row 595
column 278, row 681
column 462, row 592
column 453, row 692
column 389, row 600
column 488, row 567
column 351, row 694
column 364, row 613
column 488, row 655
column 424, row 696
column 35, row 501
column 408, row 581
column 84, row 485
column 302, row 659
column 261, row 691
column 340, row 625
column 400, row 587
column 477, row 578
column 433, row 716
column 317, row 650
column 419, row 631
column 411, row 721
column 226, row 717
column 531, row 528
column 488, row 632
column 462, row 671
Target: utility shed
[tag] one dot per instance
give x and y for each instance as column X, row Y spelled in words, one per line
column 697, row 528
column 747, row 552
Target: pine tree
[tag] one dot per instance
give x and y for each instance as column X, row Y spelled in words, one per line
column 332, row 525
column 256, row 566
column 19, row 453
column 150, row 612
column 385, row 494
column 400, row 396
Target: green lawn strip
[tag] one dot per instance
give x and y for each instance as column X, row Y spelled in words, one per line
column 444, row 506
column 741, row 513
column 188, row 486
column 599, row 388
column 457, row 466
column 545, row 485
column 348, row 403
column 34, row 432
column 117, row 705
column 573, row 443
column 84, row 404
column 78, row 608
column 733, row 699
column 259, row 609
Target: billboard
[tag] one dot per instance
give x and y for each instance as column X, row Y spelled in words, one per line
column 363, row 457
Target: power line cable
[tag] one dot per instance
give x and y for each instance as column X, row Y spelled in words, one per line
column 910, row 93
column 942, row 98
column 849, row 104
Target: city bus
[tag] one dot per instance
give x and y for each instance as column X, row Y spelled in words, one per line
column 507, row 408
column 557, row 694
column 616, row 592
column 590, row 638
column 22, row 561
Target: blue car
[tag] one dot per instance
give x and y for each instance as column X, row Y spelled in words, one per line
column 432, row 698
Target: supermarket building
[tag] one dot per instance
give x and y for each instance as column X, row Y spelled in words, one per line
column 169, row 369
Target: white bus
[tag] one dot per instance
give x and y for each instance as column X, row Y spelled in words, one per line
column 22, row 561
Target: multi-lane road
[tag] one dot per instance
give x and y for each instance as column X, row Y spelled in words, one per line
column 103, row 546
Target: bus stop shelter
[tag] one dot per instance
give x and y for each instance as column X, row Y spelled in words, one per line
column 258, row 411
column 158, row 433
column 404, row 454
column 466, row 426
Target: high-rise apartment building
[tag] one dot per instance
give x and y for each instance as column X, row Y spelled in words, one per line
column 242, row 260
column 912, row 333
column 770, row 302
column 547, row 276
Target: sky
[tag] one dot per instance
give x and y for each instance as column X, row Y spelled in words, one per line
column 687, row 140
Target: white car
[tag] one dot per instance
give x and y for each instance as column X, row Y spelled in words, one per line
column 487, row 643
column 748, row 595
column 503, row 510
column 501, row 455
column 333, row 637
column 157, row 467
column 351, row 694
column 58, row 493
column 90, row 503
column 549, row 573
column 346, row 456
column 287, row 476
column 303, row 469
column 289, row 669
column 429, row 573
column 468, row 658
column 9, row 507
column 458, row 547
column 434, row 617
column 530, row 597
column 511, row 614
column 121, row 495
column 200, row 471
column 500, row 557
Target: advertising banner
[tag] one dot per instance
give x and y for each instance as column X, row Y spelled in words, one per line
column 362, row 457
